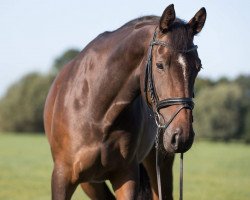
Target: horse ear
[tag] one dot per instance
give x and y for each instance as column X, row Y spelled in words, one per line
column 167, row 18
column 198, row 21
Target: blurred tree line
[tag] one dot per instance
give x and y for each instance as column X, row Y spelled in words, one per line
column 21, row 108
column 222, row 110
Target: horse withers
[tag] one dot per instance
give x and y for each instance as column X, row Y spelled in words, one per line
column 104, row 109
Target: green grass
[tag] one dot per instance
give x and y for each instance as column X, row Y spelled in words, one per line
column 216, row 171
column 25, row 168
column 211, row 170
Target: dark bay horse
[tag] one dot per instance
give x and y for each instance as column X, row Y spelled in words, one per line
column 103, row 109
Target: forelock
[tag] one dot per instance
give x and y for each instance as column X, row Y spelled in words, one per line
column 179, row 35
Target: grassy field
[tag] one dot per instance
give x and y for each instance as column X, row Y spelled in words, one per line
column 211, row 170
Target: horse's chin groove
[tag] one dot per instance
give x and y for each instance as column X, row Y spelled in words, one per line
column 165, row 152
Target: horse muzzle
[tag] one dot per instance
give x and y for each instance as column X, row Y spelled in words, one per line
column 177, row 140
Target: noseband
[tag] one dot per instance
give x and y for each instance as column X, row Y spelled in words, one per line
column 185, row 103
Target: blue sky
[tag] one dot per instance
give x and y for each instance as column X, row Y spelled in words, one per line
column 34, row 32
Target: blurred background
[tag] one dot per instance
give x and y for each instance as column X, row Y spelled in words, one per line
column 38, row 37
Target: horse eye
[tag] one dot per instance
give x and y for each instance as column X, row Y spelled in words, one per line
column 159, row 65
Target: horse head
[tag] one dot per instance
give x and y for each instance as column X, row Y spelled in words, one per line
column 172, row 66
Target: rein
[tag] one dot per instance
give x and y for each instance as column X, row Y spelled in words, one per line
column 185, row 103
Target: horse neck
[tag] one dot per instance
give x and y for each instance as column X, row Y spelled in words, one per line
column 126, row 63
column 134, row 50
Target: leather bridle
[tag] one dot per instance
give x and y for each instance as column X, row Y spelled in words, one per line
column 157, row 105
column 150, row 87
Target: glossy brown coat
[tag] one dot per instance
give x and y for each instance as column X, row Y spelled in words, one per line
column 97, row 121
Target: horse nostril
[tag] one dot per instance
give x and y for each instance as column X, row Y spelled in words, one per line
column 175, row 140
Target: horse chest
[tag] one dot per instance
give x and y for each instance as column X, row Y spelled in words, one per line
column 132, row 135
column 125, row 147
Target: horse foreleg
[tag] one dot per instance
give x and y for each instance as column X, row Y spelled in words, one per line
column 62, row 186
column 166, row 174
column 97, row 191
column 125, row 183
